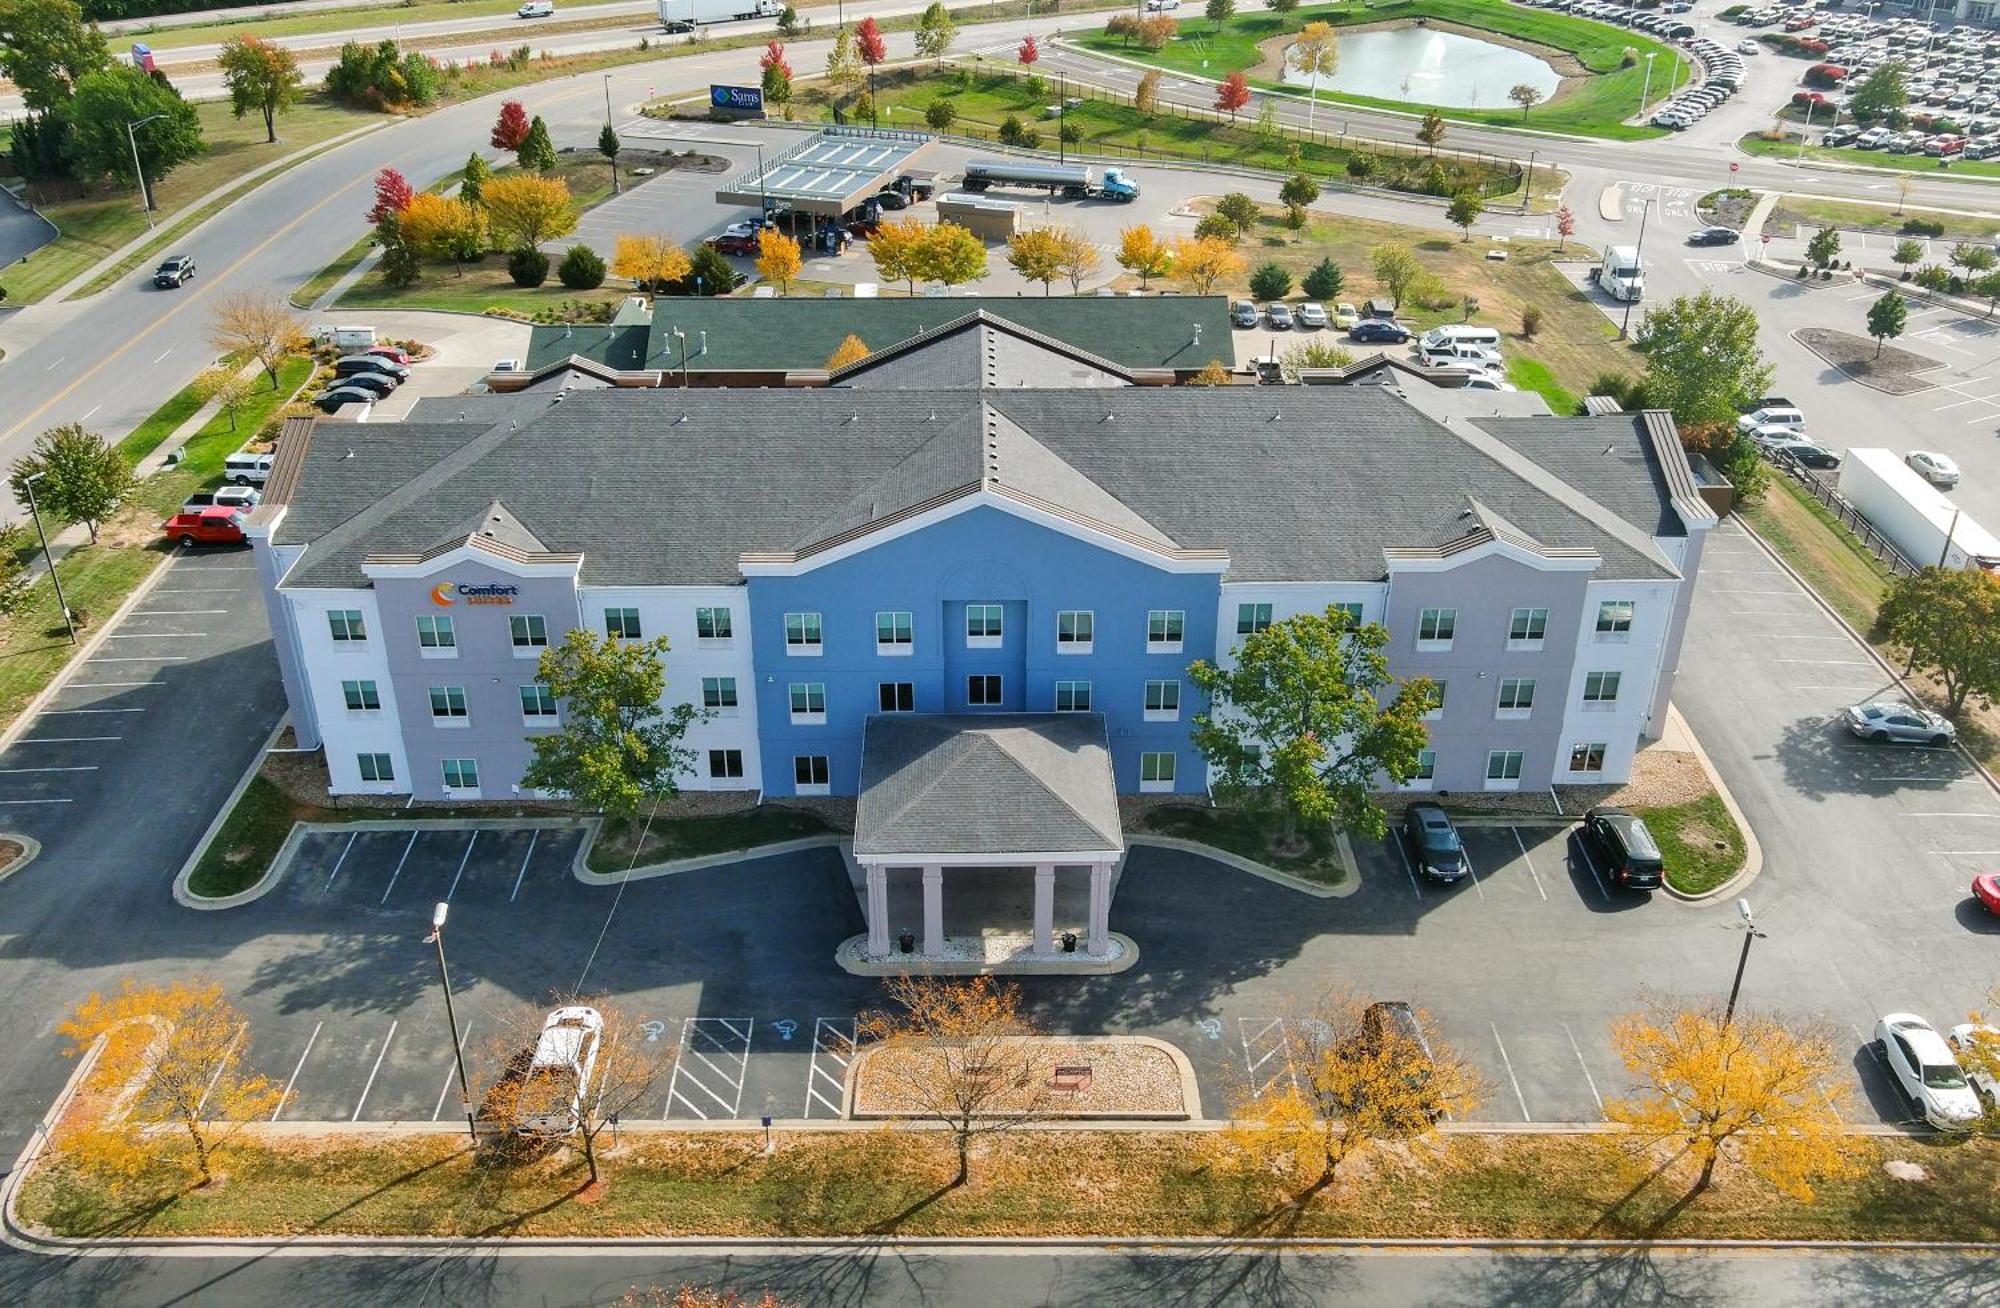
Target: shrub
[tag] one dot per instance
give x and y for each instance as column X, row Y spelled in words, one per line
column 1360, row 166
column 528, row 268
column 1010, row 129
column 582, row 269
column 1921, row 227
column 1270, row 282
column 1531, row 320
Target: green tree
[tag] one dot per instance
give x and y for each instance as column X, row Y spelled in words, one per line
column 1908, row 251
column 1270, row 281
column 81, row 477
column 1297, row 195
column 112, row 97
column 788, row 22
column 1217, row 226
column 1266, row 127
column 1881, row 93
column 1886, row 319
column 616, row 748
column 608, row 145
column 1972, row 260
column 46, row 49
column 1324, row 281
column 401, row 263
column 940, row 114
column 1283, row 6
column 1824, row 247
column 1464, row 211
column 582, row 269
column 1949, row 619
column 1300, row 721
column 1989, row 287
column 1397, row 269
column 17, row 585
column 936, row 32
column 1431, row 130
column 1219, row 11
column 1240, row 210
column 1526, row 96
column 1933, row 277
column 471, row 187
column 537, row 153
column 260, row 76
column 1702, row 360
column 843, row 69
column 1314, row 352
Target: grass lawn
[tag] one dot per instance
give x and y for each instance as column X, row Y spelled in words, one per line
column 250, row 838
column 1882, row 217
column 33, row 643
column 1595, row 106
column 1822, row 551
column 1251, row 835
column 1788, row 149
column 100, row 223
column 201, row 459
column 1700, row 842
column 1081, row 1183
column 1534, row 375
column 691, row 837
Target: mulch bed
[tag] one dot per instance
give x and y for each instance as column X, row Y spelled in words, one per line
column 1890, row 372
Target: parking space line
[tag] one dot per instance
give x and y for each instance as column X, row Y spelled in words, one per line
column 466, row 858
column 533, row 836
column 1252, row 1061
column 399, row 865
column 145, row 658
column 220, row 1063
column 1591, row 863
column 352, row 836
column 176, row 613
column 835, row 1040
column 1508, row 1063
column 194, row 590
column 370, row 1084
column 694, row 1028
column 100, row 685
column 89, row 712
column 451, row 1072
column 11, row 772
column 157, row 635
column 293, row 1080
column 35, row 801
column 1588, row 1079
column 1949, row 815
column 1408, row 871
column 1530, row 862
column 63, row 740
column 1466, row 857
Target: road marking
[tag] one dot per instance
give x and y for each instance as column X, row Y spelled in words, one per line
column 1252, row 1060
column 1584, row 849
column 175, row 613
column 1408, row 871
column 194, row 590
column 157, row 635
column 163, row 354
column 399, row 865
column 93, row 409
column 1508, row 1063
column 1531, row 864
column 93, row 710
column 352, row 836
column 11, row 772
column 35, row 801
column 451, row 1073
column 370, row 1085
column 293, row 1080
column 1588, row 1079
column 57, row 364
column 724, row 1044
column 466, row 858
column 99, row 685
column 1948, row 815
column 62, row 740
column 835, row 1040
column 533, row 836
column 147, row 658
column 1830, row 663
column 220, row 1064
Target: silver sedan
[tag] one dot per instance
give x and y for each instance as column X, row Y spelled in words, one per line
column 1887, row 720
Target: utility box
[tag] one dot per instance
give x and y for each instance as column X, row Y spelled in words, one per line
column 992, row 221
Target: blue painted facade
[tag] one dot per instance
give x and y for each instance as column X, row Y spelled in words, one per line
column 980, row 557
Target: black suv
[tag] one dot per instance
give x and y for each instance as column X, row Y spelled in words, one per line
column 174, row 272
column 1433, row 841
column 1623, row 848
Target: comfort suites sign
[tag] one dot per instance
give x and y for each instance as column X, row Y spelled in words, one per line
column 448, row 593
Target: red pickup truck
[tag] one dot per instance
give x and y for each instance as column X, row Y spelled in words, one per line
column 215, row 525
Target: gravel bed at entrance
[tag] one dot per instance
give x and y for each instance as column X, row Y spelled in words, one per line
column 1128, row 1078
column 1856, row 356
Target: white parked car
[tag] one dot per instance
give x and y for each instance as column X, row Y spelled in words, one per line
column 1937, row 469
column 1312, row 314
column 1749, row 48
column 1161, row 6
column 558, row 1075
column 537, row 9
column 1775, row 416
column 1921, row 1064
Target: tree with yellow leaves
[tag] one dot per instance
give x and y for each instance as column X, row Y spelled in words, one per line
column 957, row 1052
column 1202, row 261
column 527, row 210
column 225, row 387
column 1752, row 1087
column 1978, row 1048
column 1077, row 255
column 851, row 350
column 652, row 262
column 444, row 227
column 257, row 325
column 1359, row 1072
column 1036, row 254
column 189, row 1075
column 1143, row 254
column 951, row 254
column 1215, row 373
column 777, row 258
column 897, row 248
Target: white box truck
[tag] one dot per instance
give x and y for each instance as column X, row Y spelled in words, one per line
column 686, row 15
column 1913, row 515
column 1620, row 274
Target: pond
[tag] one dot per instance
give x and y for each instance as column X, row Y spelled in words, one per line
column 1424, row 66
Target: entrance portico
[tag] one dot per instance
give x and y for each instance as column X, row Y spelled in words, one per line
column 969, row 799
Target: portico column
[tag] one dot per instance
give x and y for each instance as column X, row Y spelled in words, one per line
column 933, row 910
column 1100, row 908
column 878, row 911
column 1045, row 908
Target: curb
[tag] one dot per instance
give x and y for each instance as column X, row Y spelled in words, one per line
column 1753, row 849
column 699, row 863
column 31, row 849
column 264, row 884
column 851, row 959
column 1349, row 885
column 1190, row 1090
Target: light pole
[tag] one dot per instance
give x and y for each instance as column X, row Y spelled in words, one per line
column 682, row 337
column 1800, row 161
column 609, row 128
column 145, row 196
column 763, row 187
column 28, row 484
column 436, row 937
column 1528, row 185
column 1638, row 252
column 1750, row 932
column 1062, row 119
column 1646, row 88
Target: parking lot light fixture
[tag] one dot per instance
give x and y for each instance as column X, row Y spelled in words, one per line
column 1748, row 925
column 436, row 937
column 34, row 510
column 1646, row 90
column 145, row 196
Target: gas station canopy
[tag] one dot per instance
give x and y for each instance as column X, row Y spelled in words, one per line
column 829, row 172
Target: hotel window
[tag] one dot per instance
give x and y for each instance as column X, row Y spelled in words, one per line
column 1587, row 757
column 982, row 625
column 375, row 767
column 448, row 705
column 1252, row 618
column 346, row 625
column 621, row 624
column 802, row 633
column 1427, row 765
column 1072, row 697
column 1614, row 618
column 1437, row 712
column 1503, row 767
column 361, row 696
column 982, row 691
column 1527, row 628
column 725, row 763
column 895, row 632
column 461, row 774
column 1074, row 631
column 712, row 624
column 1517, row 696
column 1352, row 612
column 808, row 701
column 537, row 701
column 1164, row 630
column 1156, row 771
column 1163, row 701
column 1435, row 628
column 809, row 774
column 529, row 630
column 1600, row 687
column 435, row 633
column 898, row 696
column 718, row 692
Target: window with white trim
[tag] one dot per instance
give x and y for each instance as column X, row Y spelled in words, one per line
column 1165, row 629
column 718, row 692
column 461, row 774
column 808, row 702
column 810, row 774
column 361, row 696
column 621, row 624
column 1614, row 618
column 436, row 632
column 346, row 625
column 1527, row 628
column 1352, row 612
column 1156, row 770
column 1435, row 628
column 538, row 702
column 1072, row 697
column 1587, row 756
column 375, row 767
column 725, row 764
column 802, row 633
column 895, row 632
column 1601, row 687
column 1075, row 630
column 897, row 696
column 1252, row 618
column 982, row 690
column 983, row 624
column 1517, row 696
column 528, row 631
column 1163, row 701
column 1437, row 712
column 448, row 705
column 1427, row 765
column 1503, row 765
column 712, row 624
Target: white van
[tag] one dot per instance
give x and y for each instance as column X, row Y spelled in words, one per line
column 1463, row 334
column 247, row 469
column 558, row 1075
column 537, row 9
column 1452, row 354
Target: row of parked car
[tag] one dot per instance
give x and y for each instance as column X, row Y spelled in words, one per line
column 1725, row 76
column 1939, row 145
column 365, row 377
column 1663, row 21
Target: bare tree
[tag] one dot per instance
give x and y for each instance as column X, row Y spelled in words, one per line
column 258, row 326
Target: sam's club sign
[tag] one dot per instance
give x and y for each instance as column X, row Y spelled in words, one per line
column 736, row 97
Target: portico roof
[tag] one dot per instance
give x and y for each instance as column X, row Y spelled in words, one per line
column 988, row 786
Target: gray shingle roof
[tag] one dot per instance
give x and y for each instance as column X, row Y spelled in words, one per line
column 979, row 784
column 1608, row 458
column 670, row 487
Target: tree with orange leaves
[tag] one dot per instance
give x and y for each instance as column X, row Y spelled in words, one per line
column 1233, row 93
column 778, row 258
column 1203, row 261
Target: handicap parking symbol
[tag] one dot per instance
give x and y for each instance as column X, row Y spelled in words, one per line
column 654, row 1030
column 1210, row 1027
column 785, row 1027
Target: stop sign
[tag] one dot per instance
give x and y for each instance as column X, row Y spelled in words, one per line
column 1734, row 166
column 1765, row 238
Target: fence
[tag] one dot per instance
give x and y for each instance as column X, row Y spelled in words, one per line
column 1848, row 516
